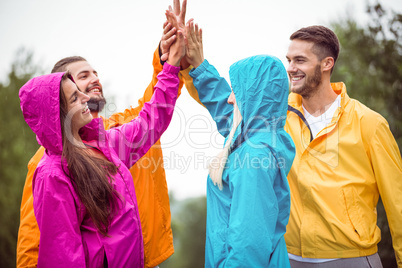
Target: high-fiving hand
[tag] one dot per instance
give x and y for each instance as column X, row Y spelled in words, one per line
column 175, row 32
column 193, row 41
column 180, row 15
column 177, row 50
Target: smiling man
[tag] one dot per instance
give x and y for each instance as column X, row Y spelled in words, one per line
column 86, row 79
column 346, row 157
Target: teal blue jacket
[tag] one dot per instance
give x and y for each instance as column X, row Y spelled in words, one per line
column 246, row 220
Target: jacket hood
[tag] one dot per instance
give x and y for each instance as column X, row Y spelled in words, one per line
column 261, row 88
column 40, row 105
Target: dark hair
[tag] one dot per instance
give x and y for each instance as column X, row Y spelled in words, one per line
column 61, row 65
column 326, row 44
column 91, row 176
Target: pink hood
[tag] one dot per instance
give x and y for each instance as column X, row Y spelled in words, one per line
column 40, row 105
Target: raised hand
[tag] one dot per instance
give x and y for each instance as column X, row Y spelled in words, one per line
column 193, row 41
column 179, row 13
column 178, row 49
column 167, row 39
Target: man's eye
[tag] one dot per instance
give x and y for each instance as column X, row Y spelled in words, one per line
column 83, row 77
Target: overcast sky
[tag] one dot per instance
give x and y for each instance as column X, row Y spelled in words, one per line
column 119, row 37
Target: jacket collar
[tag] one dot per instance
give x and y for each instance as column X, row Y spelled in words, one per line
column 295, row 100
column 95, row 131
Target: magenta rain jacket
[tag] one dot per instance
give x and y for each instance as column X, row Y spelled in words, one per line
column 68, row 236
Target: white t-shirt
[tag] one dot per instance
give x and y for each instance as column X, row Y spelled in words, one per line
column 316, row 125
column 320, row 122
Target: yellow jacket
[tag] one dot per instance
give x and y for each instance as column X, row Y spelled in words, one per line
column 150, row 187
column 336, row 179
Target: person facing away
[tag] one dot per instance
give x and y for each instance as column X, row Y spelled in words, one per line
column 248, row 199
column 150, row 182
column 84, row 197
column 346, row 157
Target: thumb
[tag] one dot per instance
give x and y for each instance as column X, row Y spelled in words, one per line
column 165, row 56
column 180, row 36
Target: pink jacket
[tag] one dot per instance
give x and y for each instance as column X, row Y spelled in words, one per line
column 69, row 237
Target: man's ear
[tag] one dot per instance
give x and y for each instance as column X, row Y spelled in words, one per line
column 327, row 63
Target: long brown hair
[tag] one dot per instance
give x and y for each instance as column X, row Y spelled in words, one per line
column 91, row 176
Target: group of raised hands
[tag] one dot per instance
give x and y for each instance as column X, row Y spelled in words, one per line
column 181, row 43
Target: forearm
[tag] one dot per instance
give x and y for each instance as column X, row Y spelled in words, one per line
column 134, row 139
column 131, row 113
column 213, row 91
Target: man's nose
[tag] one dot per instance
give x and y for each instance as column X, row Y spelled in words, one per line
column 95, row 79
column 84, row 97
column 291, row 68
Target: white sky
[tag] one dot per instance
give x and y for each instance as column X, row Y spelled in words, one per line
column 119, row 37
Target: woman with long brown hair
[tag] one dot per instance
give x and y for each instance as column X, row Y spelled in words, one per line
column 84, row 197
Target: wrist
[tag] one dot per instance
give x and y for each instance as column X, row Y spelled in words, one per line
column 198, row 62
column 174, row 61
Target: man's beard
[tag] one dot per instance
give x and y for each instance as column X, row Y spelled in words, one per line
column 96, row 104
column 311, row 85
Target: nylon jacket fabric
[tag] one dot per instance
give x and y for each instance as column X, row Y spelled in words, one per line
column 336, row 180
column 68, row 235
column 151, row 191
column 246, row 221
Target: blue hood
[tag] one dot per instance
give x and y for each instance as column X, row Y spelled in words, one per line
column 261, row 87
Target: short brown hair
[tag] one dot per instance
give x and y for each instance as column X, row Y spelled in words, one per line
column 326, row 44
column 61, row 65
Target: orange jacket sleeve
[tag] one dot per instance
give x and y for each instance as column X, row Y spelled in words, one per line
column 188, row 82
column 28, row 233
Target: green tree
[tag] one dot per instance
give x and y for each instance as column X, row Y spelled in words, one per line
column 370, row 64
column 18, row 144
column 189, row 229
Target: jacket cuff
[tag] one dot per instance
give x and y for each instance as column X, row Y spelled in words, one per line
column 167, row 68
column 200, row 69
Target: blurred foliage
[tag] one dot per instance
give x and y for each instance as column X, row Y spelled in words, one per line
column 189, row 229
column 370, row 64
column 18, row 144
